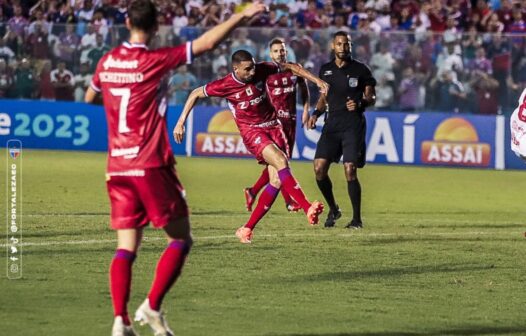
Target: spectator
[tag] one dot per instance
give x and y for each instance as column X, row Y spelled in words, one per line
column 452, row 94
column 24, row 80
column 119, row 16
column 87, row 42
column 384, row 94
column 382, row 63
column 243, row 42
column 66, row 48
column 180, row 20
column 6, row 79
column 82, row 81
column 181, row 84
column 96, row 53
column 63, row 81
column 46, row 91
column 85, row 14
column 449, row 60
column 18, row 23
column 409, row 91
column 481, row 62
column 38, row 43
column 39, row 20
column 100, row 24
column 486, row 90
column 213, row 15
column 5, row 52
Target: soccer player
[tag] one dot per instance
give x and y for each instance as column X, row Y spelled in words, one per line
column 142, row 183
column 518, row 128
column 262, row 134
column 281, row 90
column 352, row 90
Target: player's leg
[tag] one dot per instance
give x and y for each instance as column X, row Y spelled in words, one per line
column 128, row 241
column 328, row 150
column 127, row 218
column 163, row 198
column 252, row 192
column 265, row 201
column 289, row 129
column 277, row 159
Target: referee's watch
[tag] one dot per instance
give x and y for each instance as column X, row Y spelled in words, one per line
column 317, row 113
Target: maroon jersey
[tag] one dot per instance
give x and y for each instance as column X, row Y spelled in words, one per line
column 247, row 101
column 281, row 90
column 133, row 82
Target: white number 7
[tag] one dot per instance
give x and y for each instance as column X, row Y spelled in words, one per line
column 123, row 108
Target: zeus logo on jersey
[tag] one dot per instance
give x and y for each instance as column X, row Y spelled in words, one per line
column 278, row 91
column 119, row 64
column 255, row 101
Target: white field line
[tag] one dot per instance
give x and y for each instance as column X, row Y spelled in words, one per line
column 278, row 236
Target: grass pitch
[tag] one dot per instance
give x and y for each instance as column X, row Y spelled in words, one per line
column 442, row 253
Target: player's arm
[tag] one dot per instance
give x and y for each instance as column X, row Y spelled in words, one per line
column 90, row 95
column 305, row 98
column 214, row 36
column 299, row 71
column 179, row 128
column 321, row 106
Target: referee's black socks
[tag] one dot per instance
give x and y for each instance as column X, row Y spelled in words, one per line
column 355, row 194
column 325, row 186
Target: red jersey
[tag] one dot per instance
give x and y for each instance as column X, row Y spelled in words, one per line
column 133, row 81
column 281, row 90
column 247, row 101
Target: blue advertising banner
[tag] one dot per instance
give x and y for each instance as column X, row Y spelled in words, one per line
column 62, row 125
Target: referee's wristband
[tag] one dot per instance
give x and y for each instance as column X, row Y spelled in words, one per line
column 317, row 113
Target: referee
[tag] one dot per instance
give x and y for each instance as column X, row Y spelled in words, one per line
column 351, row 91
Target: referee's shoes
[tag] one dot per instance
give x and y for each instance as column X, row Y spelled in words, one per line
column 333, row 215
column 354, row 225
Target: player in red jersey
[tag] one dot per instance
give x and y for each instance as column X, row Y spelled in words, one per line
column 141, row 180
column 262, row 134
column 281, row 90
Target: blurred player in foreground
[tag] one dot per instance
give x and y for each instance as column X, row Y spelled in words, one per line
column 262, row 134
column 281, row 90
column 142, row 183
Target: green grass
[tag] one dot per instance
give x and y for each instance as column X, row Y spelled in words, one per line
column 442, row 253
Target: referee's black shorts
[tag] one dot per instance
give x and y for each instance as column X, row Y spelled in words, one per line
column 349, row 142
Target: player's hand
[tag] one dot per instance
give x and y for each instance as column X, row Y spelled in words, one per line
column 311, row 123
column 256, row 8
column 179, row 133
column 323, row 86
column 351, row 105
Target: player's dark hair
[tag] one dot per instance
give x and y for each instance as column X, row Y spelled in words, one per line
column 143, row 15
column 241, row 56
column 275, row 41
column 341, row 33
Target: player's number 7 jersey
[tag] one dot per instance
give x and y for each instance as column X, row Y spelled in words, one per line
column 133, row 82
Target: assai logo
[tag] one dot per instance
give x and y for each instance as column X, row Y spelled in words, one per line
column 222, row 137
column 456, row 143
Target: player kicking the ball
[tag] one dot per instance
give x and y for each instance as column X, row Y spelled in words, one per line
column 281, row 90
column 262, row 134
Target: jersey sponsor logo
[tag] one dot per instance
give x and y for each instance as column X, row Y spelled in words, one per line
column 111, row 62
column 222, row 138
column 327, row 73
column 353, row 82
column 244, row 104
column 456, row 143
column 279, row 91
column 127, row 153
column 283, row 114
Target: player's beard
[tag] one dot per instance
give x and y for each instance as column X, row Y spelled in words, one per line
column 344, row 55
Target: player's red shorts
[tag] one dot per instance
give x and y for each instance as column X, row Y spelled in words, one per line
column 289, row 128
column 257, row 138
column 150, row 195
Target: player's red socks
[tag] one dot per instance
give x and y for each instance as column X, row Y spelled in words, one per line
column 120, row 282
column 265, row 201
column 291, row 186
column 260, row 183
column 168, row 270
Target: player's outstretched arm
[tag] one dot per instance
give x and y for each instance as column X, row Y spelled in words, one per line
column 299, row 71
column 179, row 128
column 214, row 36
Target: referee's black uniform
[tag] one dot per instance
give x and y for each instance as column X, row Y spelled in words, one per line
column 344, row 130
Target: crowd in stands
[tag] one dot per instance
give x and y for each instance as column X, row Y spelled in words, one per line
column 464, row 56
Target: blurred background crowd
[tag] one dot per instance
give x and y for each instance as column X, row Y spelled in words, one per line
column 461, row 56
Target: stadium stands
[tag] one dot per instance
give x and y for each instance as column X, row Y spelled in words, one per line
column 454, row 56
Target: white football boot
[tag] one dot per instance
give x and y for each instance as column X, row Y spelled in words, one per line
column 155, row 319
column 120, row 329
